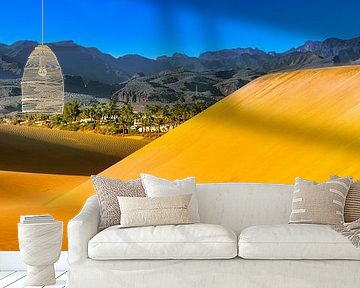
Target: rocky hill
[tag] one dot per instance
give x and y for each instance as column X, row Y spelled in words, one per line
column 169, row 86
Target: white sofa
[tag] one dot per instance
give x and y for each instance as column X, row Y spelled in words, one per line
column 244, row 220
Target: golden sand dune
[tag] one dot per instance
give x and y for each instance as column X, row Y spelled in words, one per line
column 303, row 123
column 55, row 159
column 61, row 152
column 32, row 193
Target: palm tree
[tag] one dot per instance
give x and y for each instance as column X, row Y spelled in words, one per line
column 149, row 116
column 139, row 118
column 126, row 117
column 162, row 116
column 71, row 110
column 112, row 108
column 89, row 112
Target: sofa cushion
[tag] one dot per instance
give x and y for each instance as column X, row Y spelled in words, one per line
column 295, row 241
column 192, row 241
column 319, row 203
column 107, row 190
column 145, row 211
column 159, row 187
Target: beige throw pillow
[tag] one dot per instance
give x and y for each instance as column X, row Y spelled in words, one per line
column 352, row 203
column 319, row 203
column 159, row 187
column 137, row 211
column 107, row 190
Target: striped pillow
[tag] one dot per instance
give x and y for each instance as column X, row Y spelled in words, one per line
column 352, row 203
column 319, row 203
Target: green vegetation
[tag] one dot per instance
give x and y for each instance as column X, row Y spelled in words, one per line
column 113, row 118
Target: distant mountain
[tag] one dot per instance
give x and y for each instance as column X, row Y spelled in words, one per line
column 89, row 71
column 134, row 64
column 340, row 51
column 93, row 65
column 89, row 63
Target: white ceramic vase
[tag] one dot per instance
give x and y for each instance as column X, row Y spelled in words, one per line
column 40, row 247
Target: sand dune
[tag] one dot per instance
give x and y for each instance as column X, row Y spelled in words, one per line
column 42, row 165
column 303, row 123
column 29, row 149
column 32, row 193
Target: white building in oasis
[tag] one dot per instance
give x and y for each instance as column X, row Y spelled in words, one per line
column 42, row 83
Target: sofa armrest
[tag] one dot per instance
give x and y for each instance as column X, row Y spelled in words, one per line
column 81, row 229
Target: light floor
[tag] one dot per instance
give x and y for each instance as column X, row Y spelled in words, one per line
column 16, row 279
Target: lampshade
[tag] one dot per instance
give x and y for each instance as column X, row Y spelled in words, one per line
column 42, row 83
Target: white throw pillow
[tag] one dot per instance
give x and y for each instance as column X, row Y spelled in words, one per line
column 158, row 187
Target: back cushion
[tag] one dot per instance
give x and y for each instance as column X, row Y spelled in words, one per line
column 159, row 187
column 319, row 203
column 239, row 205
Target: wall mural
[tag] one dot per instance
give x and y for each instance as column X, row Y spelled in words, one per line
column 233, row 91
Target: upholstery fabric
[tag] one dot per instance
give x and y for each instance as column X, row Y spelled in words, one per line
column 319, row 203
column 228, row 273
column 193, row 241
column 81, row 229
column 107, row 190
column 301, row 241
column 144, row 211
column 158, row 187
column 352, row 203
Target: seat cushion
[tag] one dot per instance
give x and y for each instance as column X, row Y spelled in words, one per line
column 295, row 241
column 192, row 241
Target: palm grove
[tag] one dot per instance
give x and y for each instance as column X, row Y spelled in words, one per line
column 114, row 118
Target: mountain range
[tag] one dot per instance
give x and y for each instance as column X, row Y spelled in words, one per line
column 89, row 71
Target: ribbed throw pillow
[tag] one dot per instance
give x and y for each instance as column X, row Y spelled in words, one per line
column 352, row 203
column 138, row 211
column 319, row 203
column 107, row 190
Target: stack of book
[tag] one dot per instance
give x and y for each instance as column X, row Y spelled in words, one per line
column 36, row 219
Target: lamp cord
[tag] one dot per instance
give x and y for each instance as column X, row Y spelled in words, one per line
column 42, row 22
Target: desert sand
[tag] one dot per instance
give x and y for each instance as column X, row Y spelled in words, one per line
column 304, row 123
column 32, row 193
column 41, row 150
column 38, row 166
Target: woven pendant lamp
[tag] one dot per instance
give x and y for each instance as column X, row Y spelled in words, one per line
column 42, row 84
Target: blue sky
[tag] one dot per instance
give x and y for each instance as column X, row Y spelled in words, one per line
column 162, row 27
